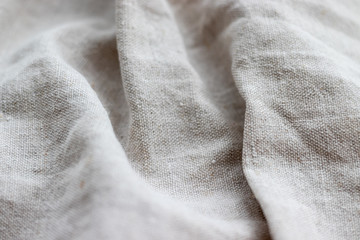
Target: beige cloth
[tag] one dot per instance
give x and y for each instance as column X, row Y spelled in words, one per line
column 197, row 119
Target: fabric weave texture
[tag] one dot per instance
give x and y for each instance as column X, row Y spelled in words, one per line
column 180, row 119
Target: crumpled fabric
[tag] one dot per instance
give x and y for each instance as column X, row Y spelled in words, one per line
column 179, row 119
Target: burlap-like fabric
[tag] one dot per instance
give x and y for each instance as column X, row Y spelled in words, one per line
column 155, row 119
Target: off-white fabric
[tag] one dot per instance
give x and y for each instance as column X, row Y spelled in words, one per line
column 197, row 119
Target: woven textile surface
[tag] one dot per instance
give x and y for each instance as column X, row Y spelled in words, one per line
column 180, row 119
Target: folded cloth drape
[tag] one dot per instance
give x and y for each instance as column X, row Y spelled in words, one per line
column 179, row 119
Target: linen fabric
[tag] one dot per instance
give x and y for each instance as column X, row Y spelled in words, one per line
column 180, row 119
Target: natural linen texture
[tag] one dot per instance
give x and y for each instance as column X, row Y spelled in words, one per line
column 197, row 119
